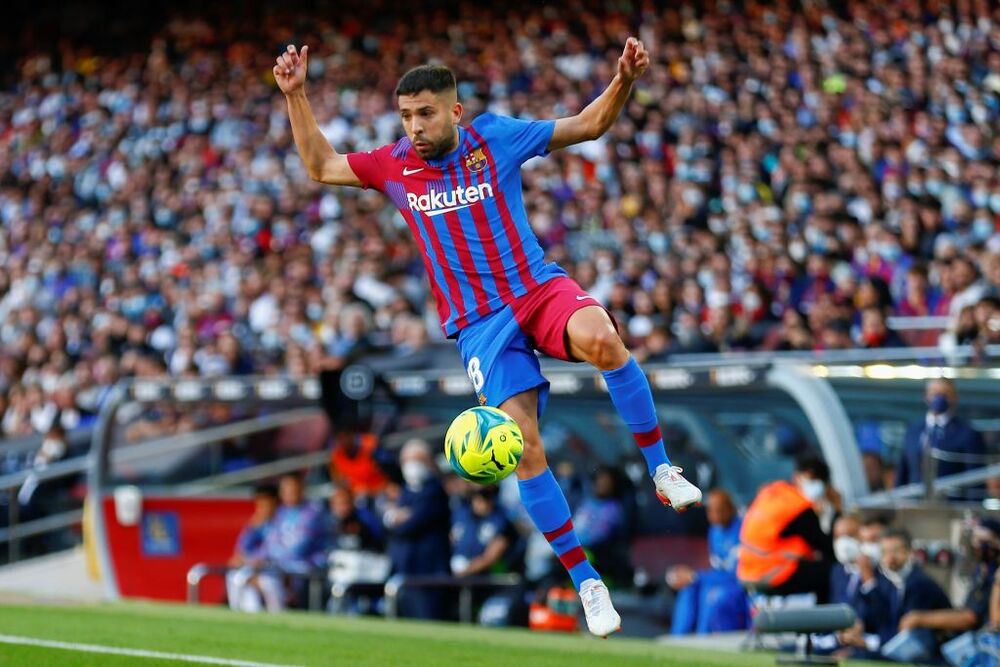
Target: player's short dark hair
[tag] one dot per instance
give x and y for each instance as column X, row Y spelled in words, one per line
column 435, row 78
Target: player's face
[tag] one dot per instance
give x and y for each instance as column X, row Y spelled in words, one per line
column 430, row 121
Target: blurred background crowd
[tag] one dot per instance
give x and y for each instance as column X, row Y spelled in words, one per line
column 782, row 179
column 787, row 177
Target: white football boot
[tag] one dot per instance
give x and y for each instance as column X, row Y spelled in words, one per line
column 602, row 619
column 673, row 490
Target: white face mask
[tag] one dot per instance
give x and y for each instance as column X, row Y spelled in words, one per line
column 872, row 550
column 414, row 473
column 813, row 489
column 846, row 549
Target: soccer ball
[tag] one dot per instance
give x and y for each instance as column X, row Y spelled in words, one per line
column 483, row 445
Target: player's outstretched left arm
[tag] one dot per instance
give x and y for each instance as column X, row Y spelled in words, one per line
column 322, row 162
column 600, row 115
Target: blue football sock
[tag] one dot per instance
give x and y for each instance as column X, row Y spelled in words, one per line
column 633, row 399
column 547, row 507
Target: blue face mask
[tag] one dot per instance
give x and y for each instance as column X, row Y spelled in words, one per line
column 938, row 404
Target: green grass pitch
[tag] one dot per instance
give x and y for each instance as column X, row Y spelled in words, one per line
column 312, row 639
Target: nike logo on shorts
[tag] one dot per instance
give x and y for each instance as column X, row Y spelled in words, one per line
column 407, row 172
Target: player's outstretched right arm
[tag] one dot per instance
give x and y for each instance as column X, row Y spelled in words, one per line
column 322, row 162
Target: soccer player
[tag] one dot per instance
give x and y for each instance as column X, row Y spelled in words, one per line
column 459, row 189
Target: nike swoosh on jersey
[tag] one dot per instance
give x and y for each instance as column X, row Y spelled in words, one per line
column 581, row 298
column 407, row 172
column 439, row 211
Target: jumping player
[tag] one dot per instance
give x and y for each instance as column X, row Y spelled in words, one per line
column 459, row 190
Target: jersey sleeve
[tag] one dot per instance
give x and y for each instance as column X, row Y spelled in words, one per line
column 367, row 166
column 523, row 139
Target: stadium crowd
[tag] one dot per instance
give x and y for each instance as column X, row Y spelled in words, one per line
column 782, row 179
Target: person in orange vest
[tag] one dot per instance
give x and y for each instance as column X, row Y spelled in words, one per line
column 783, row 549
column 352, row 462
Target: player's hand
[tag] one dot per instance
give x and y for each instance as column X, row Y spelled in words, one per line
column 290, row 69
column 633, row 61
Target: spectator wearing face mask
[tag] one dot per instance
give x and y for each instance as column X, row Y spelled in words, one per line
column 783, row 548
column 856, row 546
column 417, row 526
column 844, row 575
column 812, row 476
column 897, row 589
column 942, row 430
column 845, row 588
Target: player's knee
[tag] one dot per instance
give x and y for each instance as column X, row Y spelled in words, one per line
column 607, row 351
column 533, row 459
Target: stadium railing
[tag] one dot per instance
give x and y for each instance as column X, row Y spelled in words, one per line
column 929, row 492
column 465, row 586
column 315, row 578
column 16, row 530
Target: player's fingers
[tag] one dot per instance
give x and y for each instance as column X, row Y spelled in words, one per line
column 285, row 58
column 278, row 72
column 304, row 54
column 281, row 65
column 291, row 49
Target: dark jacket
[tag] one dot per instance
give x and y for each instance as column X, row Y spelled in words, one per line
column 957, row 437
column 420, row 545
column 883, row 600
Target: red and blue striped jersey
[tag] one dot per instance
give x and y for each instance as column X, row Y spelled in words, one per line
column 466, row 212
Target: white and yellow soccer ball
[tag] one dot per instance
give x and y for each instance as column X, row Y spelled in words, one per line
column 483, row 445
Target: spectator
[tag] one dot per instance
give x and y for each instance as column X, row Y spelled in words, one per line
column 844, row 576
column 602, row 525
column 712, row 600
column 812, row 476
column 861, row 640
column 482, row 537
column 845, row 588
column 941, row 430
column 870, row 538
column 357, row 554
column 241, row 589
column 352, row 462
column 898, row 588
column 975, row 611
column 875, row 333
column 295, row 543
column 197, row 217
column 52, row 449
column 355, row 528
column 784, row 550
column 417, row 525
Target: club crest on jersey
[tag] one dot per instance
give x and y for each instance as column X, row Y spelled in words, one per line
column 475, row 161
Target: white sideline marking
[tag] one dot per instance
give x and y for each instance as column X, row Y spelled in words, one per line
column 132, row 652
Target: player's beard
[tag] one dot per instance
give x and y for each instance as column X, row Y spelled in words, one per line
column 436, row 150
